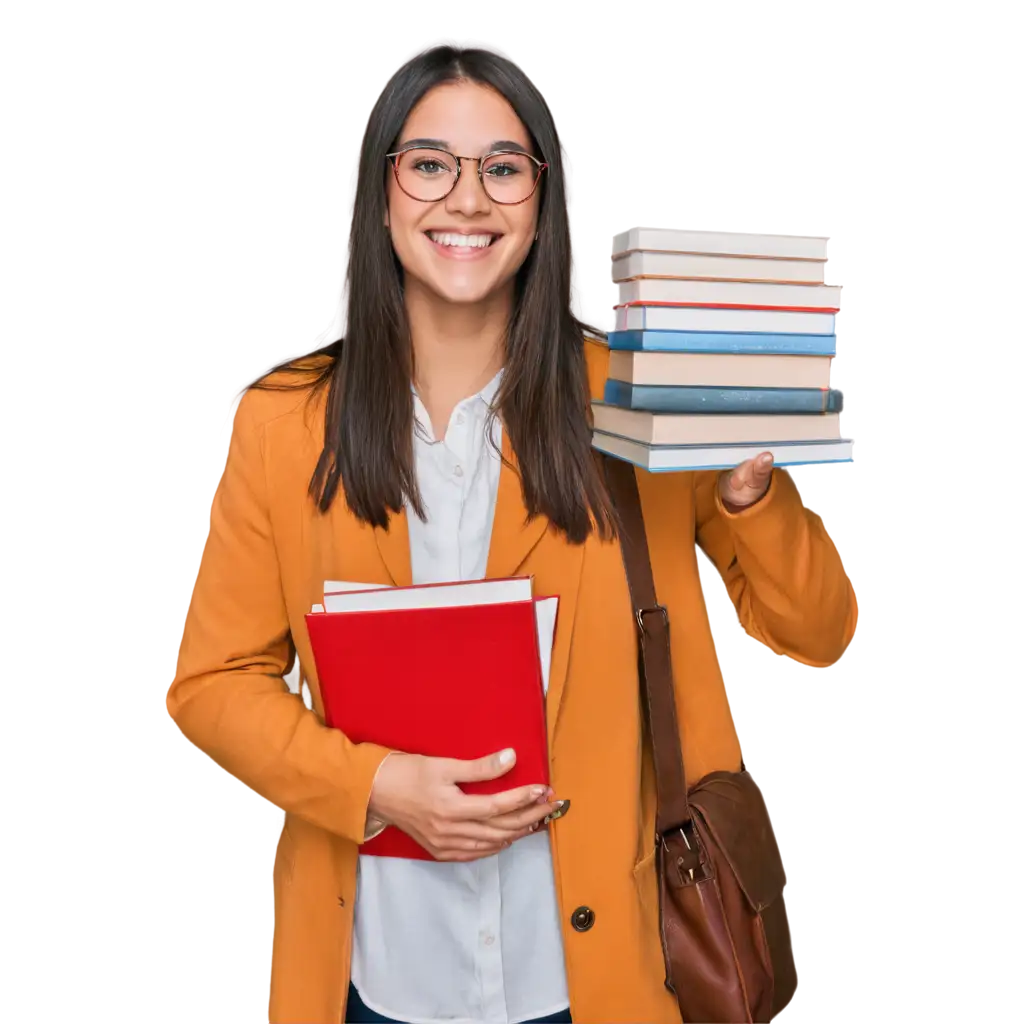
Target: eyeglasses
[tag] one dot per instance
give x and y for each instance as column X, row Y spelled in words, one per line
column 428, row 175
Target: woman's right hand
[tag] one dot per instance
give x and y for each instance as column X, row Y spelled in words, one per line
column 421, row 796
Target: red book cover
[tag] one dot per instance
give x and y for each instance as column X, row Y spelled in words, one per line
column 459, row 681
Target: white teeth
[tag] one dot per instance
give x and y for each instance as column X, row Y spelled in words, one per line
column 469, row 241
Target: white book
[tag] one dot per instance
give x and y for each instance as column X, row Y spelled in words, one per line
column 657, row 428
column 345, row 596
column 724, row 243
column 720, row 268
column 429, row 595
column 678, row 458
column 730, row 321
column 719, row 370
column 732, row 293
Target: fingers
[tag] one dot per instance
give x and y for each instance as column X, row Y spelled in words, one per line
column 749, row 479
column 473, row 840
column 478, row 807
column 476, row 840
column 481, row 770
column 753, row 472
column 468, row 835
column 761, row 468
column 531, row 817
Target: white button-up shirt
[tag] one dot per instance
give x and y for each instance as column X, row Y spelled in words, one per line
column 459, row 943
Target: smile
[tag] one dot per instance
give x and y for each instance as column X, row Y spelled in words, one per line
column 455, row 244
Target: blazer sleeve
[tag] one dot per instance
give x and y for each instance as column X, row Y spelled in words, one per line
column 781, row 569
column 229, row 696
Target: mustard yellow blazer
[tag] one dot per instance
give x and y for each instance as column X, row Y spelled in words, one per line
column 267, row 556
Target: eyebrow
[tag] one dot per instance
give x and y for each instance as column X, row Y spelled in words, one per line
column 499, row 144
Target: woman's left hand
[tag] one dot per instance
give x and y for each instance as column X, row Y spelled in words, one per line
column 747, row 483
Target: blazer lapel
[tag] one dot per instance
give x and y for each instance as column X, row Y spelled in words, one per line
column 560, row 576
column 512, row 537
column 535, row 548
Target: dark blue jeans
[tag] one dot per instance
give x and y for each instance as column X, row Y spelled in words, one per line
column 359, row 1013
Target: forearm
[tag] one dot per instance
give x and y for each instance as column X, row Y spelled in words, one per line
column 785, row 576
column 255, row 728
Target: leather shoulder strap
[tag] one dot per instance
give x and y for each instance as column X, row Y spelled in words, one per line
column 657, row 691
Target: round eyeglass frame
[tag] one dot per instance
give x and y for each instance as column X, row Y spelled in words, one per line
column 393, row 160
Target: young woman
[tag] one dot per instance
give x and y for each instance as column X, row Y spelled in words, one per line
column 446, row 437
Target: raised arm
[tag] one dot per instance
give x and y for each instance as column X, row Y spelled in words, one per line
column 228, row 696
column 781, row 569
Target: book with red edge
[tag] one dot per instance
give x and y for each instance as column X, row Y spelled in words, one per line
column 459, row 681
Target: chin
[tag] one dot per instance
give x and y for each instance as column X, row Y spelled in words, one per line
column 465, row 293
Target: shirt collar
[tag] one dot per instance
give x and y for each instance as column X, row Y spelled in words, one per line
column 490, row 389
column 485, row 397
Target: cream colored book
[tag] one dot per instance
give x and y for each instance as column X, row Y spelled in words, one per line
column 672, row 265
column 671, row 428
column 692, row 369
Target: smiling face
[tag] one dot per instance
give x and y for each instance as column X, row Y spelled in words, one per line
column 464, row 248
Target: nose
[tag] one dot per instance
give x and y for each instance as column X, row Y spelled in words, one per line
column 468, row 196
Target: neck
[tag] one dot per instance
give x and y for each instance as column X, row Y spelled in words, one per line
column 457, row 348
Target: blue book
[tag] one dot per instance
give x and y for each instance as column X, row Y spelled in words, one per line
column 705, row 341
column 665, row 398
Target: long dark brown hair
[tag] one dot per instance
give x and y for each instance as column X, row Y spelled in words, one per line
column 543, row 399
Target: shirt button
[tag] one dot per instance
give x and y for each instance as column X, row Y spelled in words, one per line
column 582, row 919
column 457, row 471
column 489, row 941
column 460, row 418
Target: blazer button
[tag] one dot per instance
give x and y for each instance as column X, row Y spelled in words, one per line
column 583, row 919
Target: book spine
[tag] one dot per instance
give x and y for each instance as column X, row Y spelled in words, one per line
column 697, row 341
column 712, row 243
column 727, row 305
column 696, row 400
column 644, row 318
column 724, row 293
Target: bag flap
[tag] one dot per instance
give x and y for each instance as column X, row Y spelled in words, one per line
column 730, row 807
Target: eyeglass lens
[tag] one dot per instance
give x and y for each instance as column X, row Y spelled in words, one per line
column 429, row 175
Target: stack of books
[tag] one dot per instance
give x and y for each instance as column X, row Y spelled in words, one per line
column 931, row 346
column 400, row 667
column 722, row 349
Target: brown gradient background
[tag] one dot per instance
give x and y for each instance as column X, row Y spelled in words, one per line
column 170, row 206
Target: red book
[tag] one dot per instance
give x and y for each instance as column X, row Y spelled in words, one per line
column 459, row 681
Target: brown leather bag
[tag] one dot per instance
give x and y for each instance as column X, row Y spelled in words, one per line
column 723, row 921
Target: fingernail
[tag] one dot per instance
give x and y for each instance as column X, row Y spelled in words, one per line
column 535, row 826
column 506, row 757
column 538, row 793
column 766, row 460
column 561, row 809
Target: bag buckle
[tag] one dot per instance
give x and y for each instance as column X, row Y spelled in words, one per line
column 690, row 863
column 658, row 609
column 687, row 865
